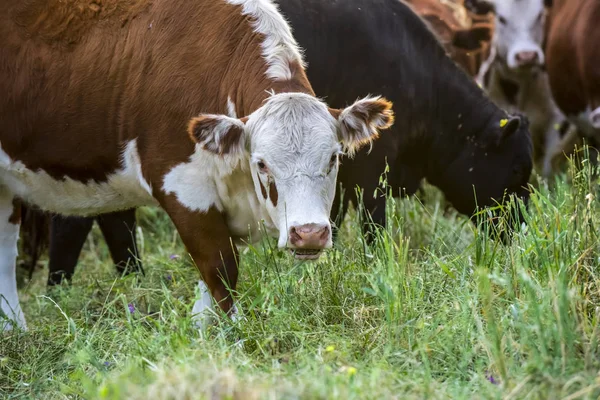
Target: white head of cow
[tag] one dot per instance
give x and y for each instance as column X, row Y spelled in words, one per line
column 520, row 32
column 293, row 143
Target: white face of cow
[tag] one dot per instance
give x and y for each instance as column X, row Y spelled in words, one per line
column 520, row 32
column 293, row 143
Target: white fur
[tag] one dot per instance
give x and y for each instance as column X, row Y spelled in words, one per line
column 208, row 180
column 203, row 311
column 295, row 135
column 583, row 122
column 126, row 188
column 279, row 46
column 595, row 118
column 9, row 234
column 231, row 108
column 523, row 30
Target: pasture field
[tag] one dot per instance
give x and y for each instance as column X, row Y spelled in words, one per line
column 432, row 310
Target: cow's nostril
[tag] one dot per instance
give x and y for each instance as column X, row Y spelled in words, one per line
column 324, row 233
column 527, row 57
column 294, row 235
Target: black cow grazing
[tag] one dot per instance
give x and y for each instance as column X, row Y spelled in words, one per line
column 452, row 134
column 447, row 130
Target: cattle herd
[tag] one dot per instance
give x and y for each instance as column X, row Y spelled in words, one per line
column 215, row 111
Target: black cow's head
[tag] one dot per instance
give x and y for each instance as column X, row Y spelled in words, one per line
column 489, row 167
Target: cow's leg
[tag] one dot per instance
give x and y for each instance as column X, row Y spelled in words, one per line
column 67, row 236
column 10, row 219
column 118, row 229
column 207, row 239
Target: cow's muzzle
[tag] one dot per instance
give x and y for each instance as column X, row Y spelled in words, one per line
column 307, row 241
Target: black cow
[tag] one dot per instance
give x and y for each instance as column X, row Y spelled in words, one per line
column 447, row 131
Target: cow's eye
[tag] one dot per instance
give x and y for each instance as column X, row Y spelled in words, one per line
column 501, row 19
column 262, row 167
column 333, row 160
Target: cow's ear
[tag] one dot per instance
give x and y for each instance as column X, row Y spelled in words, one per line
column 359, row 123
column 219, row 134
column 509, row 127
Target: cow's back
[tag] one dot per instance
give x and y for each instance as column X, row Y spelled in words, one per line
column 84, row 78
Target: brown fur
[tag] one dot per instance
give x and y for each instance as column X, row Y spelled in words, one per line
column 465, row 35
column 273, row 195
column 573, row 54
column 67, row 22
column 114, row 83
column 263, row 191
column 200, row 128
column 381, row 108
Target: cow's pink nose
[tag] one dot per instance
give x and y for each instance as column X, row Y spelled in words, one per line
column 526, row 58
column 309, row 236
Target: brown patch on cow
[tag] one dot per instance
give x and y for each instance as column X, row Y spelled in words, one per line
column 209, row 242
column 573, row 55
column 378, row 112
column 465, row 35
column 263, row 191
column 69, row 21
column 202, row 130
column 231, row 140
column 273, row 195
column 357, row 122
column 470, row 39
column 381, row 111
column 75, row 93
column 15, row 216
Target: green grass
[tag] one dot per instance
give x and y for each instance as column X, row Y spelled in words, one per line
column 432, row 310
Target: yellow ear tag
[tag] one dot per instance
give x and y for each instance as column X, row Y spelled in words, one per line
column 503, row 122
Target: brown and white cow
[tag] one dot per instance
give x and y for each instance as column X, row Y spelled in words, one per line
column 201, row 107
column 465, row 35
column 573, row 63
column 515, row 78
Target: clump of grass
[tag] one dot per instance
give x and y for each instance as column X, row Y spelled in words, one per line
column 433, row 308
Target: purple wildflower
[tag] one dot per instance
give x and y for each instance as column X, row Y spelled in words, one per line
column 491, row 378
column 106, row 364
column 131, row 307
column 168, row 277
column 174, row 257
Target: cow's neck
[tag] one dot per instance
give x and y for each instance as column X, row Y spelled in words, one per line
column 247, row 98
column 456, row 111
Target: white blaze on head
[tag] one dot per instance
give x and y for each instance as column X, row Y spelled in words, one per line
column 293, row 142
column 520, row 32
